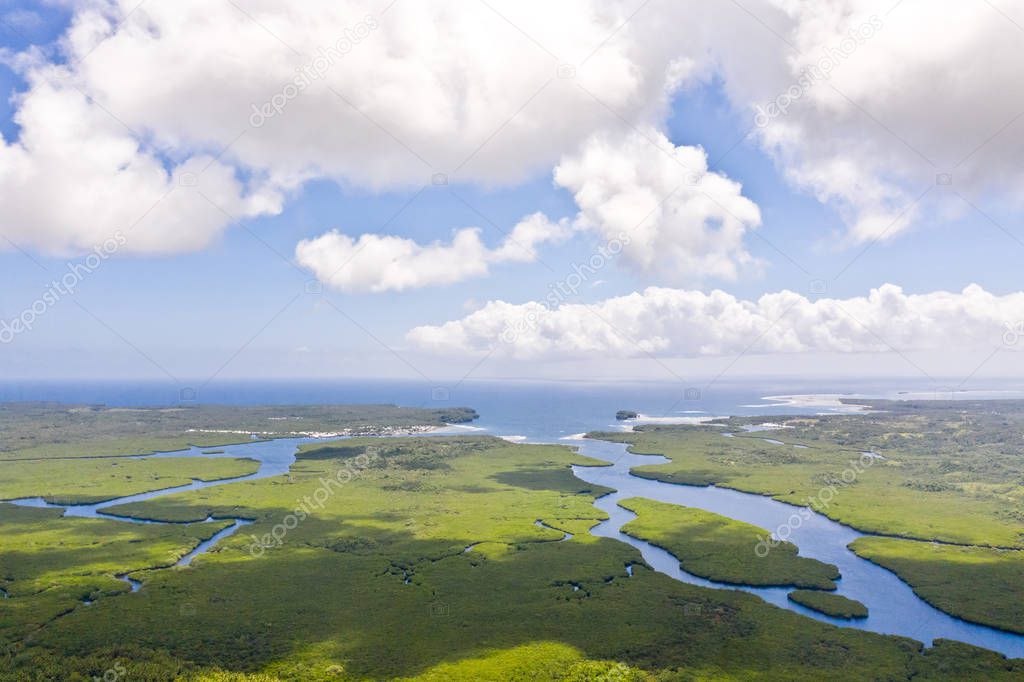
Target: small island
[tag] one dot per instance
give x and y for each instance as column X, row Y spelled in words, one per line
column 830, row 604
column 722, row 549
column 622, row 415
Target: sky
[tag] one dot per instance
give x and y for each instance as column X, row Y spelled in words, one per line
column 668, row 191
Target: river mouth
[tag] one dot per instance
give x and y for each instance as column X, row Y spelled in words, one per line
column 893, row 608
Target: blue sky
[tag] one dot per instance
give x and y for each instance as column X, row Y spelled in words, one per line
column 242, row 299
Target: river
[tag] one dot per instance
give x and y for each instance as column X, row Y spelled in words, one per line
column 547, row 416
column 893, row 607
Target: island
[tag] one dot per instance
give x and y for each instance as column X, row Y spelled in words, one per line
column 830, row 604
column 718, row 548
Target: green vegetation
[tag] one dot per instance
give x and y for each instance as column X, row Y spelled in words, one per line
column 50, row 564
column 956, row 661
column 375, row 584
column 626, row 414
column 978, row 584
column 542, row 661
column 373, row 580
column 87, row 481
column 870, row 494
column 54, row 430
column 722, row 549
column 834, row 605
column 950, row 473
column 962, row 454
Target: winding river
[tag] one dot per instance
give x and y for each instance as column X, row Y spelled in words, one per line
column 275, row 457
column 894, row 608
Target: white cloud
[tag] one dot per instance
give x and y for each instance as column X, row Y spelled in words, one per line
column 658, row 202
column 683, row 323
column 377, row 263
column 683, row 222
column 520, row 245
column 76, row 177
column 474, row 92
column 909, row 94
column 385, row 100
column 423, row 87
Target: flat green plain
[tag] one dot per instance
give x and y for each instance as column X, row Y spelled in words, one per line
column 87, row 481
column 38, row 430
column 885, row 497
column 50, row 564
column 423, row 562
column 722, row 549
column 979, row 584
column 950, row 475
column 834, row 605
column 377, row 584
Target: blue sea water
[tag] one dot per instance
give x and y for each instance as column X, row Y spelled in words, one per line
column 537, row 410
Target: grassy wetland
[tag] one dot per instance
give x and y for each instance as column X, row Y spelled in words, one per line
column 718, row 548
column 979, row 584
column 413, row 558
column 834, row 605
column 944, row 485
column 43, row 430
column 85, row 481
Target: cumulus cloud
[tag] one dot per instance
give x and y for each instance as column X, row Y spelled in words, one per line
column 376, row 99
column 487, row 93
column 376, row 263
column 497, row 92
column 76, row 177
column 682, row 220
column 865, row 107
column 684, row 323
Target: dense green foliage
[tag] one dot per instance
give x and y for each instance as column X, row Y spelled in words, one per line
column 967, row 455
column 376, row 583
column 86, row 481
column 834, row 605
column 722, row 549
column 978, row 584
column 878, row 496
column 951, row 473
column 49, row 564
column 412, row 559
column 44, row 430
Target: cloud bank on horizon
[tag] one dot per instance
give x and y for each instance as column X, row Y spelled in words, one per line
column 255, row 100
column 664, row 322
